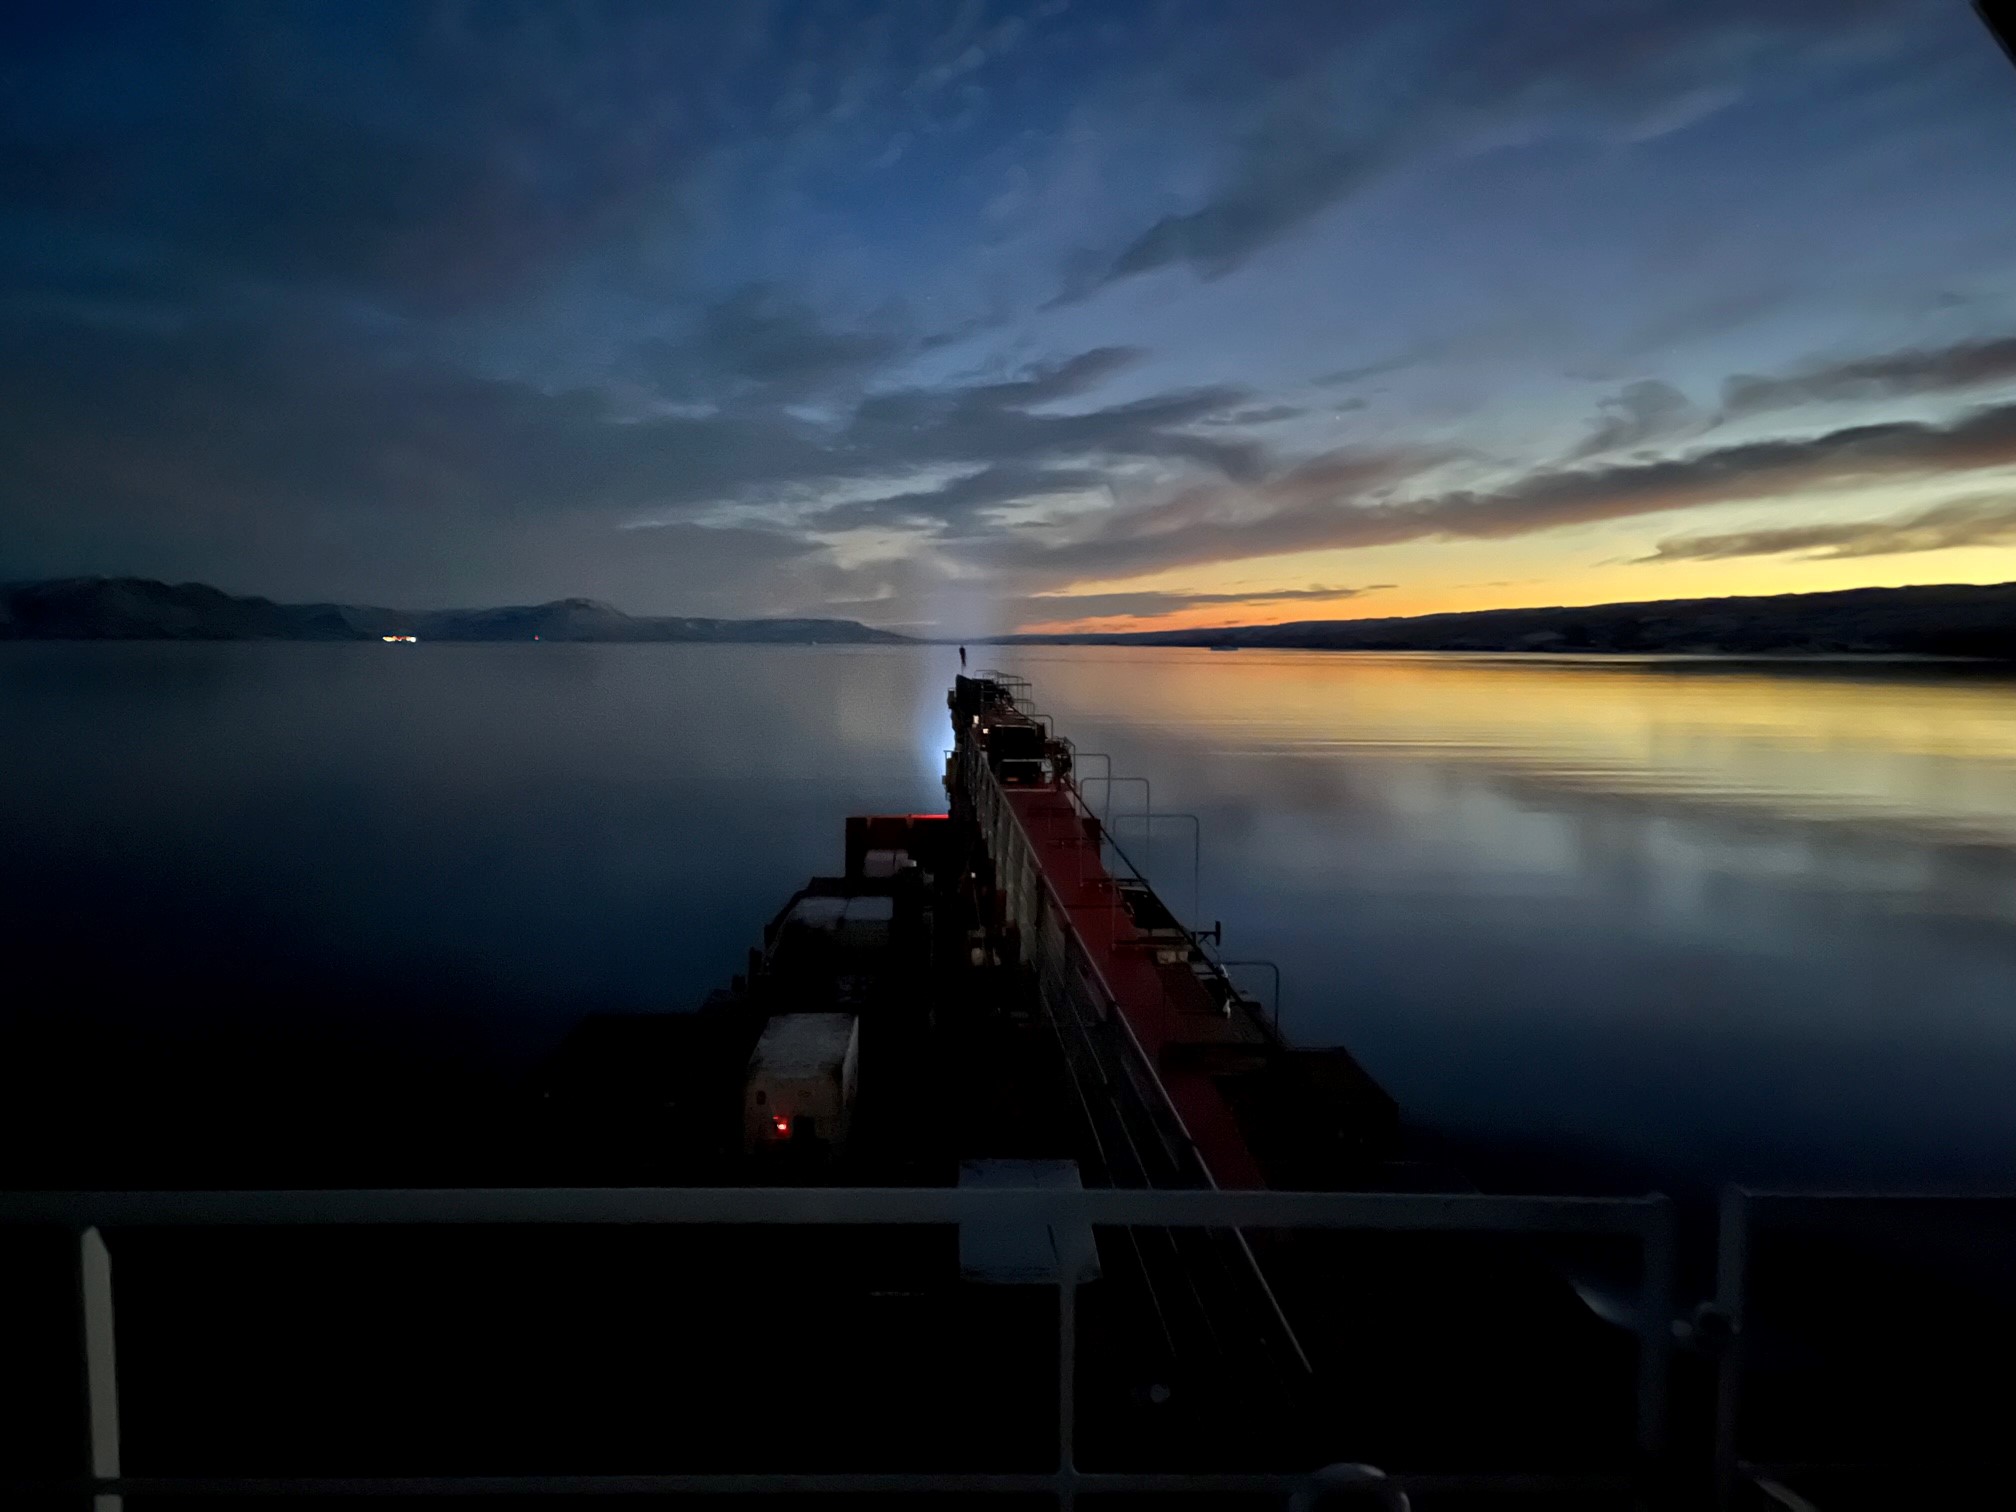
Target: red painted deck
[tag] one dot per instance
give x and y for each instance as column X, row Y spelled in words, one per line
column 1164, row 1005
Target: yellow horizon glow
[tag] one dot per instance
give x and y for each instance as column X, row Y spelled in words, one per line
column 1452, row 579
column 1565, row 593
column 1576, row 566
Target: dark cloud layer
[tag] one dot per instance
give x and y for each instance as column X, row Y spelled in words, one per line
column 1282, row 182
column 238, row 415
column 1150, row 604
column 764, row 341
column 430, row 158
column 1641, row 413
column 930, row 508
column 259, row 441
column 1345, row 377
column 1989, row 520
column 1633, row 71
column 1003, row 422
column 1329, row 503
column 1964, row 365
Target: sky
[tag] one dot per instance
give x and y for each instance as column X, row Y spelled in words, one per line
column 964, row 317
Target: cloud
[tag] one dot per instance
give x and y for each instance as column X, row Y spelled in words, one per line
column 1269, row 414
column 1306, row 504
column 219, row 415
column 296, row 466
column 1547, row 499
column 1343, row 499
column 1009, row 483
column 263, row 443
column 1282, row 176
column 445, row 160
column 1964, row 365
column 1986, row 520
column 1059, row 380
column 1624, row 75
column 1641, row 412
column 1010, row 422
column 245, row 450
column 764, row 340
column 1343, row 377
column 965, row 49
column 1681, row 111
column 1151, row 603
column 422, row 160
column 1702, row 315
column 1283, row 182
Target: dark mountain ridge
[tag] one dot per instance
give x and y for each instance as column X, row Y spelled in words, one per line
column 1954, row 619
column 1957, row 619
column 142, row 609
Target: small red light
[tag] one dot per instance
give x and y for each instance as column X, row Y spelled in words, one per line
column 783, row 1127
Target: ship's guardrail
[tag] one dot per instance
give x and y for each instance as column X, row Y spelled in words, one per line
column 1052, row 940
column 980, row 780
column 1744, row 1212
column 1061, row 1211
column 1075, row 990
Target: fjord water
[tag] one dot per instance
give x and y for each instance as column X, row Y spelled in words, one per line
column 1663, row 921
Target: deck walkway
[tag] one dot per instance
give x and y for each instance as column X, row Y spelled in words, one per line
column 1165, row 1006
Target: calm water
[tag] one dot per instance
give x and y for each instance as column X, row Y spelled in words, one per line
column 1683, row 921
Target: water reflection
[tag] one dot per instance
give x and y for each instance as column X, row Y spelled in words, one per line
column 1684, row 921
column 363, row 873
column 1675, row 921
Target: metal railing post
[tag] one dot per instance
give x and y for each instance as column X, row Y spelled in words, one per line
column 1148, row 793
column 1075, row 794
column 1147, row 807
column 1273, row 966
column 1196, row 852
column 1078, row 755
column 1067, row 1374
column 1655, row 1325
column 101, row 1363
column 1732, row 1276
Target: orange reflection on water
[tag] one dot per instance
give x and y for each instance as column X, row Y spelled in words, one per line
column 1929, row 747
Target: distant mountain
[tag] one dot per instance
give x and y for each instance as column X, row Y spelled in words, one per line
column 1959, row 619
column 141, row 609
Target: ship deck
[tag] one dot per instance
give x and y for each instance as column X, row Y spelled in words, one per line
column 1166, row 1008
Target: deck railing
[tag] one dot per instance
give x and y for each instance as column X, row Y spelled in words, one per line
column 1743, row 1213
column 1063, row 1213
